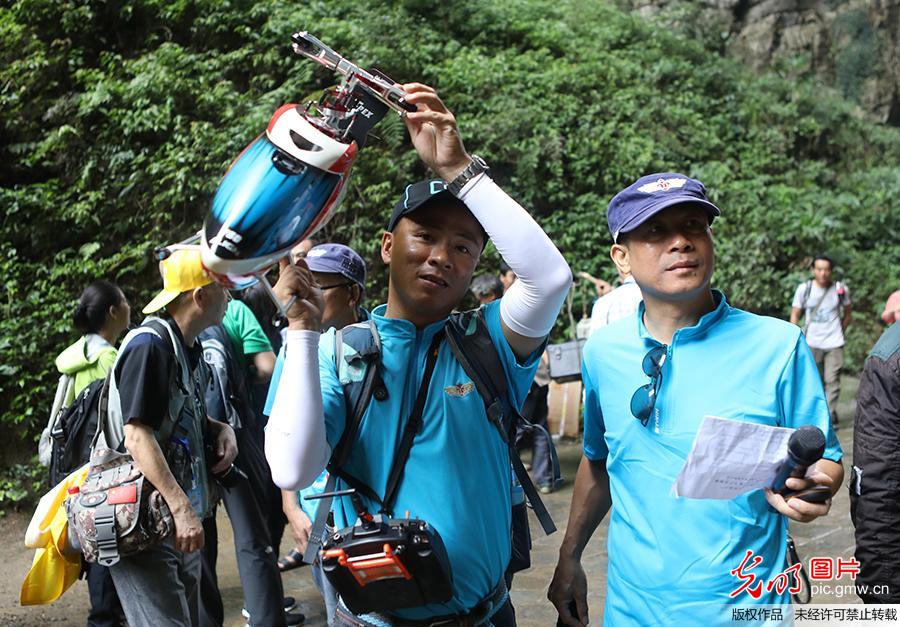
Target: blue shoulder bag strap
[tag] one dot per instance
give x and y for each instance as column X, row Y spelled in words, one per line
column 470, row 341
column 363, row 338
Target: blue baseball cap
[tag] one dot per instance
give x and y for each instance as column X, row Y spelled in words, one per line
column 417, row 195
column 337, row 259
column 649, row 195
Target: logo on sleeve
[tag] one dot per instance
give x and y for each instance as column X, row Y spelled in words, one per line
column 460, row 389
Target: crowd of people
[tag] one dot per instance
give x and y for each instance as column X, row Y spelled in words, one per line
column 225, row 400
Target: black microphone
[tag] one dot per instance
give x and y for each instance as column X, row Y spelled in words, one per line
column 805, row 446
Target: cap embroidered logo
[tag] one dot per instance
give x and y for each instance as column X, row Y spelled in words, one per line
column 662, row 185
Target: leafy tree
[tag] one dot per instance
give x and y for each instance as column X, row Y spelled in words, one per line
column 118, row 119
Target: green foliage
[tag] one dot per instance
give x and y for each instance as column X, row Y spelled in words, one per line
column 21, row 485
column 119, row 118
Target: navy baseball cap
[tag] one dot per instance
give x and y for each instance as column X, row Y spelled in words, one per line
column 417, row 195
column 337, row 259
column 649, row 195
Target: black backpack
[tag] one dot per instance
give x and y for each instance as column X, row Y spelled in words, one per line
column 74, row 430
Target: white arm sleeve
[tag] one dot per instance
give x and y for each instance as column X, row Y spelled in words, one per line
column 296, row 447
column 531, row 305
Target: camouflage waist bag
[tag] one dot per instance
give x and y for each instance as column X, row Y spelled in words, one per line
column 117, row 512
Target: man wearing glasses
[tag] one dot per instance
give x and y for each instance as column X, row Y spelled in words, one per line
column 341, row 275
column 649, row 381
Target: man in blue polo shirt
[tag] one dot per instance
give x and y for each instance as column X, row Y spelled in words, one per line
column 457, row 477
column 650, row 379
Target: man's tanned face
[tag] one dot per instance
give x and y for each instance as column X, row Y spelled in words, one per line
column 432, row 255
column 671, row 254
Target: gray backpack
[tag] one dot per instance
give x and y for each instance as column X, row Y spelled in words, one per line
column 117, row 512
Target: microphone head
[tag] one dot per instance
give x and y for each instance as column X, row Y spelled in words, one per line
column 807, row 445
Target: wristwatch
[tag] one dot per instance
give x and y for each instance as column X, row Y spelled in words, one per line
column 475, row 168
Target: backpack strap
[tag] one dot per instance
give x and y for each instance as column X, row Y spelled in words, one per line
column 228, row 382
column 806, row 292
column 413, row 425
column 468, row 336
column 317, row 531
column 470, row 341
column 102, row 409
column 114, row 433
column 363, row 338
column 63, row 390
column 183, row 374
column 220, row 399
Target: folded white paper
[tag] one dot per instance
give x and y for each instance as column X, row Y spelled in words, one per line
column 729, row 458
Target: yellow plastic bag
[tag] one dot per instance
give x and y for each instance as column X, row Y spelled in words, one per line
column 38, row 533
column 56, row 566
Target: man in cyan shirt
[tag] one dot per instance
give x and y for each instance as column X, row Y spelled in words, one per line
column 649, row 381
column 457, row 476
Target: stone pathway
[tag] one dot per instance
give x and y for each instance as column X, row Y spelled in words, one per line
column 831, row 536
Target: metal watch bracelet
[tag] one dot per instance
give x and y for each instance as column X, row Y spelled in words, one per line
column 476, row 167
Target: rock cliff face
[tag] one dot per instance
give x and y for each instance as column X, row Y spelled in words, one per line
column 851, row 45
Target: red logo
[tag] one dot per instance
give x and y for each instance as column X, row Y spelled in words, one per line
column 847, row 567
column 780, row 582
column 824, row 568
column 748, row 579
column 821, row 568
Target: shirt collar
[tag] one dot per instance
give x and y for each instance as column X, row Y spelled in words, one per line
column 628, row 279
column 402, row 327
column 706, row 322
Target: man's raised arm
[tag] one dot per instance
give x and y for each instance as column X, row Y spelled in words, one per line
column 529, row 308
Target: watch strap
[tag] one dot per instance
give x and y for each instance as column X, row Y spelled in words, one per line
column 476, row 167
